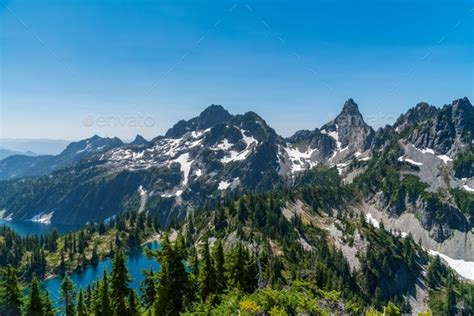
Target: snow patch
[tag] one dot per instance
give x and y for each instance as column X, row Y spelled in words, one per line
column 224, row 145
column 463, row 268
column 298, row 158
column 185, row 165
column 42, row 218
column 237, row 156
column 341, row 167
column 410, row 161
column 427, row 151
column 143, row 197
column 445, row 158
column 334, row 135
column 371, row 220
column 467, row 188
column 223, row 185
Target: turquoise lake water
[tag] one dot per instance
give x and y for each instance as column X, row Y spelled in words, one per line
column 32, row 228
column 136, row 260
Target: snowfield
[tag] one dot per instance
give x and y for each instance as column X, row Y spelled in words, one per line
column 463, row 268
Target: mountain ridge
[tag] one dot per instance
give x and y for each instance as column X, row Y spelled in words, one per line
column 217, row 153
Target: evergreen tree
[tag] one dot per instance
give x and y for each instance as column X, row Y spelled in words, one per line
column 62, row 264
column 10, row 293
column 119, row 284
column 88, row 299
column 81, row 307
column 207, row 276
column 133, row 304
column 171, row 298
column 95, row 256
column 162, row 303
column 148, row 288
column 68, row 294
column 34, row 301
column 219, row 263
column 105, row 308
column 48, row 309
column 450, row 296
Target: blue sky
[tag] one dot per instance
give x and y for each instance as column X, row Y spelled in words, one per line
column 71, row 69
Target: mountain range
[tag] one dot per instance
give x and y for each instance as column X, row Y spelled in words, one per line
column 415, row 175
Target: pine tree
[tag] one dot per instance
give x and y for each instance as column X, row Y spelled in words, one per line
column 95, row 256
column 162, row 303
column 88, row 299
column 96, row 298
column 48, row 309
column 34, row 301
column 219, row 263
column 68, row 296
column 133, row 304
column 10, row 296
column 62, row 264
column 119, row 284
column 171, row 298
column 104, row 308
column 207, row 276
column 450, row 296
column 81, row 307
column 148, row 288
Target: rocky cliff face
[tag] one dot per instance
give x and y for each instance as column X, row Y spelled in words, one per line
column 449, row 131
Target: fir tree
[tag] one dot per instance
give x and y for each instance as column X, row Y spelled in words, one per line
column 68, row 296
column 119, row 284
column 95, row 256
column 10, row 293
column 81, row 307
column 162, row 304
column 207, row 276
column 34, row 301
column 88, row 299
column 48, row 309
column 133, row 304
column 104, row 308
column 148, row 288
column 450, row 296
column 219, row 263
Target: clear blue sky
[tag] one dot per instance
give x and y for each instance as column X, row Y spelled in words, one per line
column 64, row 64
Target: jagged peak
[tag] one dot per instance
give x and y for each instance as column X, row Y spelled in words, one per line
column 350, row 107
column 139, row 140
column 211, row 116
column 462, row 103
column 214, row 109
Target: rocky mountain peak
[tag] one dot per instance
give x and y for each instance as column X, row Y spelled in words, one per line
column 211, row 116
column 139, row 140
column 349, row 129
column 421, row 112
column 214, row 114
column 351, row 108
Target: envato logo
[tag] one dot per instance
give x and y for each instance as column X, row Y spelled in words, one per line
column 111, row 121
